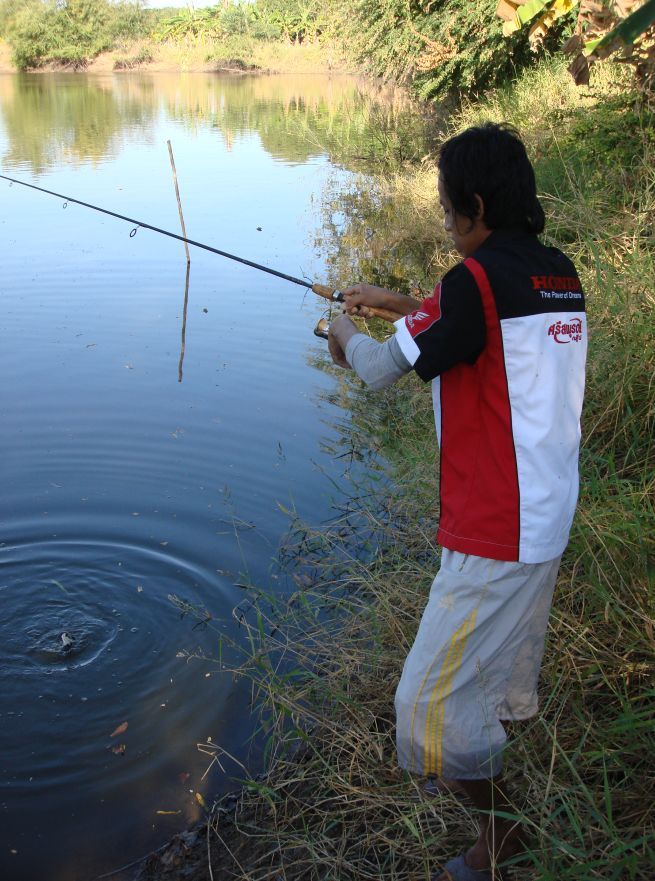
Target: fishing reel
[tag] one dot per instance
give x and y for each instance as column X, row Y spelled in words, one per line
column 333, row 296
column 322, row 328
column 323, row 325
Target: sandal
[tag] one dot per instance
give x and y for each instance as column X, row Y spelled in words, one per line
column 458, row 869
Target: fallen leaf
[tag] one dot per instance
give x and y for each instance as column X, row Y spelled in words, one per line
column 118, row 749
column 201, row 801
column 121, row 728
column 166, row 813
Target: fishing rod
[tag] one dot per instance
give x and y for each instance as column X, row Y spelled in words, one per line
column 334, row 296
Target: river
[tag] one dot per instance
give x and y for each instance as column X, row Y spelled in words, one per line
column 154, row 434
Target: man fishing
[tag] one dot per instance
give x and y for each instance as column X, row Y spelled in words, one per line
column 503, row 342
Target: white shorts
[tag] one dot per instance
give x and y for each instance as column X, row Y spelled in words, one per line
column 475, row 661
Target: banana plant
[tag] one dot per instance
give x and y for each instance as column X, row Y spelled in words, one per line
column 518, row 13
column 602, row 28
column 626, row 33
column 187, row 22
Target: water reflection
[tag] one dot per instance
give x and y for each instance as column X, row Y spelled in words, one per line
column 77, row 118
column 86, row 121
column 184, row 311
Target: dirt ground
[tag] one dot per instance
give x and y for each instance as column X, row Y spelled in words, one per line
column 105, row 63
column 297, row 59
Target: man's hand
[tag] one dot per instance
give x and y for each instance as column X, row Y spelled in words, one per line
column 341, row 330
column 361, row 298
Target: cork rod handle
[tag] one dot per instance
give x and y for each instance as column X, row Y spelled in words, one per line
column 337, row 297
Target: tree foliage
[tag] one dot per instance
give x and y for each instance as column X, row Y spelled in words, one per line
column 69, row 32
column 291, row 20
column 441, row 45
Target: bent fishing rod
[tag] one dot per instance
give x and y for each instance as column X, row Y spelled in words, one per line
column 334, row 296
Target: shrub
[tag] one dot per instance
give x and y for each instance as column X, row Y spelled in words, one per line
column 69, row 32
column 441, row 46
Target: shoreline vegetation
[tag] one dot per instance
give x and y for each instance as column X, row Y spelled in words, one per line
column 434, row 51
column 101, row 36
column 325, row 659
column 198, row 56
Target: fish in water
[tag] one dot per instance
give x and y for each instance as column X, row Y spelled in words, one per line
column 67, row 641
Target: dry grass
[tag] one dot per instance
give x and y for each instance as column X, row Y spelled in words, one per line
column 202, row 53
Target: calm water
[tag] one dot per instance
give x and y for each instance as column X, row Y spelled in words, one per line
column 129, row 472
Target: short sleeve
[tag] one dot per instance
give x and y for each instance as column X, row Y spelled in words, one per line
column 447, row 329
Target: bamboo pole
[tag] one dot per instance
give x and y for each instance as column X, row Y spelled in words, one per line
column 179, row 202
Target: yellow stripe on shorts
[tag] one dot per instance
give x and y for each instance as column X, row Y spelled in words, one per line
column 435, row 716
column 412, row 739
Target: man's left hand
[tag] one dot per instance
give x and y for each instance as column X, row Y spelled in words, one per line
column 341, row 329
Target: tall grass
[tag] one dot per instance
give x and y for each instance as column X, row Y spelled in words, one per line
column 325, row 659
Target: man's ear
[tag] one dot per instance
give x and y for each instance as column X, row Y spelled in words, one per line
column 480, row 203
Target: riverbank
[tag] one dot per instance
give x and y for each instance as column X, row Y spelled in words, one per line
column 204, row 54
column 335, row 804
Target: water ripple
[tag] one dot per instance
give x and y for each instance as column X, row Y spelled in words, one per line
column 90, row 622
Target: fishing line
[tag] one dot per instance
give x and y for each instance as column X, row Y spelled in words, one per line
column 327, row 293
column 165, row 232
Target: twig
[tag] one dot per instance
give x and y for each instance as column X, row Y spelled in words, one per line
column 209, row 855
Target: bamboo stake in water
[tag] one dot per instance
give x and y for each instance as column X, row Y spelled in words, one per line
column 179, row 202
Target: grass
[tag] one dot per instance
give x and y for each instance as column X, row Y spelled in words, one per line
column 324, row 660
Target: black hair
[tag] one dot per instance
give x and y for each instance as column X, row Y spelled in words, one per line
column 490, row 160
